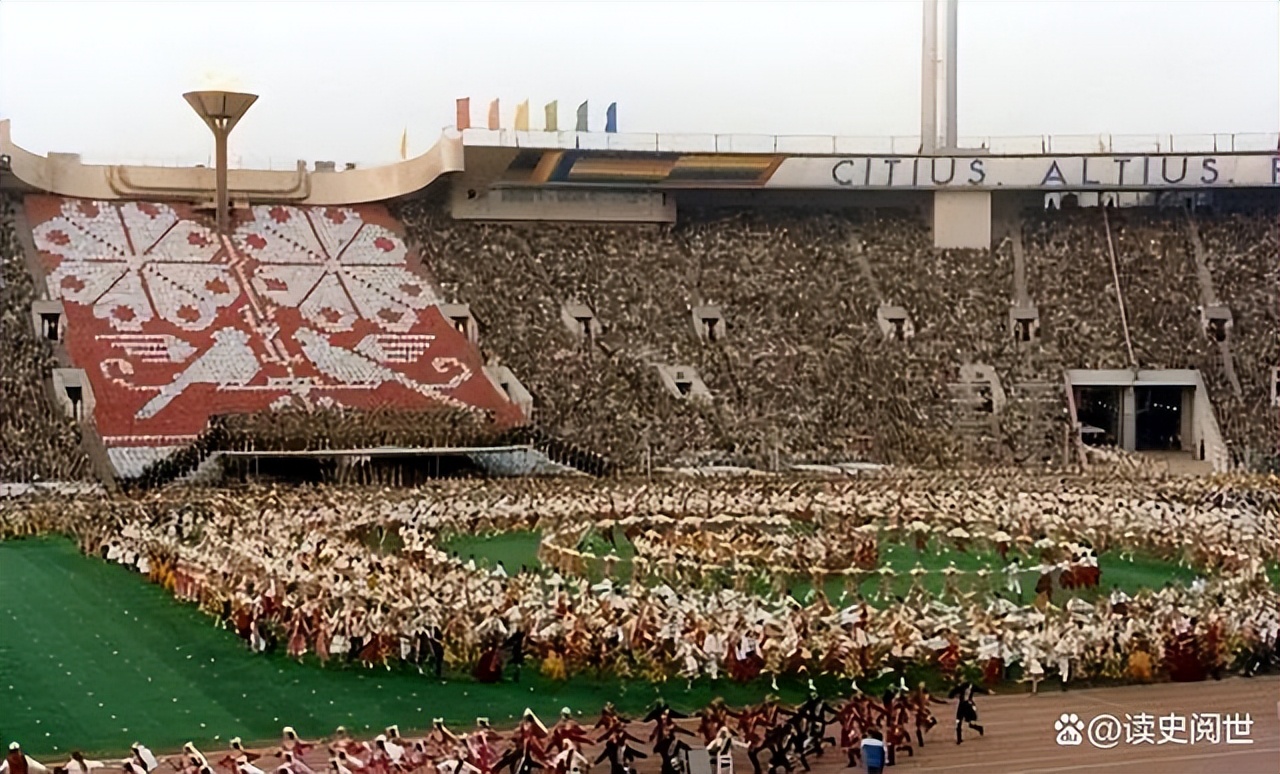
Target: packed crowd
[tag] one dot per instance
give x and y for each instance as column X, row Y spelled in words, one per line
column 37, row 441
column 295, row 568
column 592, row 392
column 1070, row 274
column 801, row 370
column 1242, row 252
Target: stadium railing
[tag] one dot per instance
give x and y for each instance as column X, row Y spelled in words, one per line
column 897, row 144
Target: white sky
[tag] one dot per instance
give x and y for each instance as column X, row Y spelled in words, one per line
column 342, row 80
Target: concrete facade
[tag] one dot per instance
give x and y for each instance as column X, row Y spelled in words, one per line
column 64, row 174
column 962, row 219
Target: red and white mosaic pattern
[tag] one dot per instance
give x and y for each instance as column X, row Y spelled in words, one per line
column 135, row 263
column 333, row 267
column 302, row 306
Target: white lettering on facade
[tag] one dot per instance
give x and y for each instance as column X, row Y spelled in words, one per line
column 1101, row 172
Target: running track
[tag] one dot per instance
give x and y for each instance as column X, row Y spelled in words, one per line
column 1020, row 736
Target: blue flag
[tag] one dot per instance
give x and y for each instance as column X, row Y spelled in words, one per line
column 611, row 118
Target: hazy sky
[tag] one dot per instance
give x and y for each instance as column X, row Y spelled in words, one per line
column 342, row 80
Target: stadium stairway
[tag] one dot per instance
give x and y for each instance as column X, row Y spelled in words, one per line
column 91, row 443
column 1211, row 305
column 38, row 443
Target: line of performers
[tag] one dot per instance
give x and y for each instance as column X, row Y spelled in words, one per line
column 775, row 738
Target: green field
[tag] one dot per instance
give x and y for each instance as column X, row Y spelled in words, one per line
column 514, row 549
column 95, row 658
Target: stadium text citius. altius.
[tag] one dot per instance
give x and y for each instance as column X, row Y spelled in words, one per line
column 1023, row 172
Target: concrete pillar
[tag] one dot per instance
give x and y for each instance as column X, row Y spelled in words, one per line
column 1187, row 429
column 962, row 219
column 220, row 134
column 1128, row 419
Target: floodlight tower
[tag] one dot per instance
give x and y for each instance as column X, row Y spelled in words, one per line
column 938, row 112
column 950, row 136
column 220, row 111
column 929, row 80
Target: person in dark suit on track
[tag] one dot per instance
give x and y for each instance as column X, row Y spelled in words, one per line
column 966, row 710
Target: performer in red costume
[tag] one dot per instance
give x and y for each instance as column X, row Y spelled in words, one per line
column 565, row 730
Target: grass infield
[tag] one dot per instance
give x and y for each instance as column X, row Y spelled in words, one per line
column 95, row 658
column 515, row 549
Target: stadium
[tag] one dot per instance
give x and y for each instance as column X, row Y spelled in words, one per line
column 775, row 442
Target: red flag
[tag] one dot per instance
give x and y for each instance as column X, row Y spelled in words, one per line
column 493, row 114
column 464, row 113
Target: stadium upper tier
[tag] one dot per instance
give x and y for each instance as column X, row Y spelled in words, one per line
column 301, row 306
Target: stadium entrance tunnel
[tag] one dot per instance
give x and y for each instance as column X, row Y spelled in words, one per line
column 1098, row 411
column 1158, row 424
column 1165, row 411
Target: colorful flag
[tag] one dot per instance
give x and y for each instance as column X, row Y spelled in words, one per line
column 464, row 114
column 493, row 114
column 582, row 118
column 404, row 144
column 522, row 116
column 611, row 118
column 553, row 116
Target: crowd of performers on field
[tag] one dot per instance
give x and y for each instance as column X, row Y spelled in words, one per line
column 309, row 571
column 773, row 737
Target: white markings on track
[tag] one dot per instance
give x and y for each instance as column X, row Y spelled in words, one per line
column 1095, row 699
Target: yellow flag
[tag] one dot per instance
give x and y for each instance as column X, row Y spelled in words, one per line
column 404, row 144
column 522, row 116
